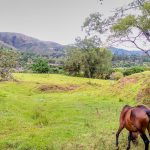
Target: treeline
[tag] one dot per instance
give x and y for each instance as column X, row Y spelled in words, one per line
column 124, row 61
column 84, row 59
column 87, row 57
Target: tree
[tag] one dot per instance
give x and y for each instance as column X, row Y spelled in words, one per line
column 40, row 66
column 103, row 63
column 8, row 61
column 122, row 26
column 134, row 29
column 88, row 58
column 73, row 61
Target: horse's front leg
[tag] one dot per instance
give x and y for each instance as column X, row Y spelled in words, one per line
column 117, row 136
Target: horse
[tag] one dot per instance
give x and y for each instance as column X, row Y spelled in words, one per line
column 136, row 120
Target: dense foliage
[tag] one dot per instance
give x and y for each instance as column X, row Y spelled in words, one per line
column 88, row 59
column 125, row 27
column 40, row 66
column 133, row 70
column 8, row 62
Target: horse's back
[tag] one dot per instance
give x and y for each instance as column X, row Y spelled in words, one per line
column 139, row 118
column 135, row 118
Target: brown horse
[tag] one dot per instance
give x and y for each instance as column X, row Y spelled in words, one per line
column 136, row 120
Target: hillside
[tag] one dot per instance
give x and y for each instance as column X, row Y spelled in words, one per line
column 136, row 86
column 28, row 44
column 120, row 52
column 49, row 111
column 25, row 43
column 6, row 46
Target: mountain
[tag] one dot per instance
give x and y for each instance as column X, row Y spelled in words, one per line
column 6, row 46
column 25, row 43
column 118, row 51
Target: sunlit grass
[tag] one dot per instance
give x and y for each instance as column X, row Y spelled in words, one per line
column 84, row 118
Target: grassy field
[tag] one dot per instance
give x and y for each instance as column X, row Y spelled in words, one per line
column 57, row 112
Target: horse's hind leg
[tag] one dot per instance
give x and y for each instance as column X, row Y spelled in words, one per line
column 148, row 128
column 129, row 140
column 117, row 136
column 145, row 139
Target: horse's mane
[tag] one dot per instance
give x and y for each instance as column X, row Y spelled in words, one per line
column 142, row 106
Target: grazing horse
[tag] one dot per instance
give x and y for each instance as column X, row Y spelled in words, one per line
column 136, row 120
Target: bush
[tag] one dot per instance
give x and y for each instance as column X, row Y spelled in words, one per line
column 118, row 70
column 133, row 70
column 116, row 75
column 41, row 66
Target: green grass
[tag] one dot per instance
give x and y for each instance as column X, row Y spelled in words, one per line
column 85, row 118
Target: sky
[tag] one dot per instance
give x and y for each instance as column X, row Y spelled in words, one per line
column 51, row 20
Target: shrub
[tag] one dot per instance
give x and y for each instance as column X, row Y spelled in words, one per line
column 133, row 70
column 116, row 75
column 40, row 66
column 118, row 70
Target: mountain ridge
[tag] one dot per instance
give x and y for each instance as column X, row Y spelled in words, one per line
column 120, row 51
column 24, row 43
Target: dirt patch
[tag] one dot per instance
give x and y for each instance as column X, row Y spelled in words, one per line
column 57, row 88
column 125, row 81
column 144, row 95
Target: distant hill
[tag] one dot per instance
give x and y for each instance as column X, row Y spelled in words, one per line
column 25, row 43
column 118, row 51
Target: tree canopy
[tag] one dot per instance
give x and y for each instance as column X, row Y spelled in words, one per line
column 124, row 26
column 88, row 59
column 40, row 66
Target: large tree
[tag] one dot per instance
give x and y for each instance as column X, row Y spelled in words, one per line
column 124, row 26
column 86, row 57
column 73, row 61
column 8, row 61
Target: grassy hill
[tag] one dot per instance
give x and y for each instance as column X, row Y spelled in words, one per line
column 136, row 87
column 53, row 112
